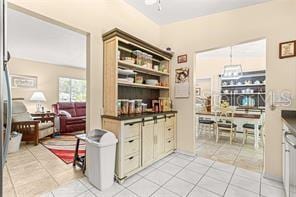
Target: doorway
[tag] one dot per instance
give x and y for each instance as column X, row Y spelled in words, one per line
column 48, row 66
column 243, row 93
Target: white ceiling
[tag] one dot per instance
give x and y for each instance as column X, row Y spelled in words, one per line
column 33, row 39
column 177, row 10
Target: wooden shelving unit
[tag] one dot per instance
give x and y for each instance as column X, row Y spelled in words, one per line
column 141, row 69
column 235, row 88
column 118, row 46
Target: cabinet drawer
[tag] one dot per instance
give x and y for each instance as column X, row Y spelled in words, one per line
column 170, row 121
column 131, row 130
column 131, row 146
column 169, row 132
column 131, row 163
column 169, row 144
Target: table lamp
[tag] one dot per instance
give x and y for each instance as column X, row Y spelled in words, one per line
column 38, row 97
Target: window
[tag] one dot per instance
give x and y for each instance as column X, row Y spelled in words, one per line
column 72, row 90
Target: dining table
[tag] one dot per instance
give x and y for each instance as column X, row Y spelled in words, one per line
column 250, row 118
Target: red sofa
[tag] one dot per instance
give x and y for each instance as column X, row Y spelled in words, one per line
column 75, row 118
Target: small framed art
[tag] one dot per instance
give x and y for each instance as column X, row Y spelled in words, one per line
column 287, row 49
column 182, row 59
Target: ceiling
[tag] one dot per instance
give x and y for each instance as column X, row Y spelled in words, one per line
column 178, row 10
column 33, row 39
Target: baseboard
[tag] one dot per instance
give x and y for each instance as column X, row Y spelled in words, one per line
column 275, row 178
column 185, row 153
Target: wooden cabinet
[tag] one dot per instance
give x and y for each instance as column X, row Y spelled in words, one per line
column 141, row 142
column 148, row 142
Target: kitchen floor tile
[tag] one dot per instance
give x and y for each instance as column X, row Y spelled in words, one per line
column 189, row 176
column 126, row 193
column 143, row 188
column 219, row 175
column 248, row 174
column 87, row 194
column 159, row 163
column 158, row 177
column 224, row 167
column 200, row 192
column 164, row 193
column 199, row 168
column 246, row 183
column 179, row 186
column 233, row 191
column 113, row 190
column 270, row 191
column 74, row 188
column 179, row 162
column 146, row 171
column 213, row 185
column 170, row 168
column 131, row 180
column 85, row 182
column 187, row 157
column 272, row 183
column 204, row 161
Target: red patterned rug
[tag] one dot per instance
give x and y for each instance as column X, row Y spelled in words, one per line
column 63, row 146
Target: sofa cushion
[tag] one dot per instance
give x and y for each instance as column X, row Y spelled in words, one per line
column 65, row 113
column 45, row 125
column 80, row 108
column 20, row 117
column 69, row 107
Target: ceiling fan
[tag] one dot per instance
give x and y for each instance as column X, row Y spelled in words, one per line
column 152, row 2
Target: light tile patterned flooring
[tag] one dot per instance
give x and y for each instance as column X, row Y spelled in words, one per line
column 243, row 156
column 181, row 175
column 34, row 170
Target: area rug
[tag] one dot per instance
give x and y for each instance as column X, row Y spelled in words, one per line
column 63, row 146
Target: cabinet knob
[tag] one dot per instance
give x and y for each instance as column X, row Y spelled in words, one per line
column 130, row 158
column 131, row 141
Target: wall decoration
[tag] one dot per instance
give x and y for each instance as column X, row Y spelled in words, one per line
column 288, row 49
column 182, row 59
column 182, row 89
column 23, row 81
column 197, row 91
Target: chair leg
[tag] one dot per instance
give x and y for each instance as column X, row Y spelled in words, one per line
column 217, row 134
column 231, row 135
column 244, row 136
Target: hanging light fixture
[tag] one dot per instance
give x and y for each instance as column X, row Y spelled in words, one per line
column 232, row 71
column 152, row 2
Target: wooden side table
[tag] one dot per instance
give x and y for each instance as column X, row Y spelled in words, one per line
column 79, row 160
column 44, row 117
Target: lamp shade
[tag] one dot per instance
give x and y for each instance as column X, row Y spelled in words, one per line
column 38, row 96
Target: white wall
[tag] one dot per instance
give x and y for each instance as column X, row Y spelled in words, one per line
column 274, row 21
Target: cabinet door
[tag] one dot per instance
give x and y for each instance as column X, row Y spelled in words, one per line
column 159, row 134
column 147, row 143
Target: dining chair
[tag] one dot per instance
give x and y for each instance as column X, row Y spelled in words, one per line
column 249, row 129
column 225, row 123
column 206, row 125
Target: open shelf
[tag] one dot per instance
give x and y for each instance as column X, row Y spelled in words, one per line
column 140, row 69
column 243, row 85
column 137, row 85
column 237, row 94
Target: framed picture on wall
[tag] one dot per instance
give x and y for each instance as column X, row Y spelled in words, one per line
column 23, row 81
column 288, row 49
column 182, row 59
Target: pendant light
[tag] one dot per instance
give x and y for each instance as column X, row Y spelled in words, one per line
column 152, row 2
column 232, row 71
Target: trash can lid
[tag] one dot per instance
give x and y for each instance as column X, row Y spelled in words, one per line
column 102, row 137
